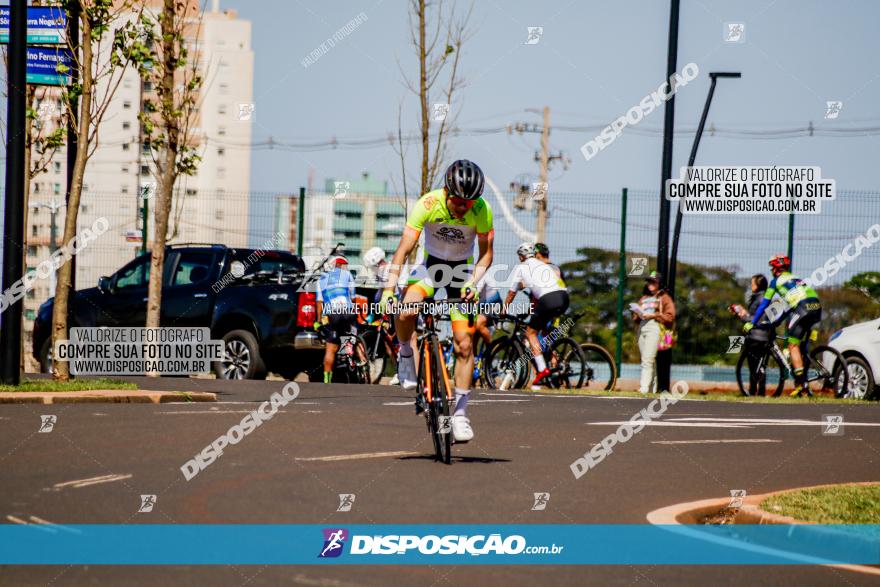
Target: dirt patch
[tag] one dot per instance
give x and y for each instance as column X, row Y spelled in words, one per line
column 725, row 516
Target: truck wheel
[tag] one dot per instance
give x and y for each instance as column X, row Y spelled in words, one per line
column 242, row 357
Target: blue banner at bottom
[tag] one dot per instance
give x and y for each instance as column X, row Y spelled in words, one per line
column 523, row 544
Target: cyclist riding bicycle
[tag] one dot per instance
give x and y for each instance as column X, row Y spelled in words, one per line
column 552, row 300
column 452, row 218
column 804, row 312
column 335, row 306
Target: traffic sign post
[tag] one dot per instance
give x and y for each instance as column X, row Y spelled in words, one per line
column 46, row 25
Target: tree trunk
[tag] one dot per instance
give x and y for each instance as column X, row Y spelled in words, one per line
column 423, row 95
column 167, row 166
column 61, row 370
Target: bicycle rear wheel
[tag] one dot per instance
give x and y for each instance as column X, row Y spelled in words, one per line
column 600, row 372
column 770, row 369
column 567, row 363
column 377, row 355
column 827, row 372
column 506, row 364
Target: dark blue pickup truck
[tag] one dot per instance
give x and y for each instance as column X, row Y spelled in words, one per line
column 251, row 299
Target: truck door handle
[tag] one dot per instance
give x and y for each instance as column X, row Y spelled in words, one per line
column 200, row 295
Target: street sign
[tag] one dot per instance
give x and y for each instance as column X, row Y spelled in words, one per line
column 45, row 25
column 49, row 66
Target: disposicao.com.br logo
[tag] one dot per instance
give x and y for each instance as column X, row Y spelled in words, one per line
column 431, row 544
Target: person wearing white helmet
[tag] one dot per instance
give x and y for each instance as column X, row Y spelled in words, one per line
column 548, row 289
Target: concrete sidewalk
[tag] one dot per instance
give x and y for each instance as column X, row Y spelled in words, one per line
column 112, row 396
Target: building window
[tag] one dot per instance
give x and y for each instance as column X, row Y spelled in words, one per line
column 34, row 230
column 125, row 169
column 145, row 170
column 191, row 191
column 36, row 187
column 31, row 294
column 126, row 125
column 84, row 208
column 124, row 189
column 127, row 105
column 145, row 148
column 221, row 172
column 57, row 188
column 224, row 88
column 221, row 109
column 32, row 251
column 218, row 214
column 148, row 86
column 221, row 130
column 221, row 193
column 57, row 165
column 126, row 146
column 221, row 151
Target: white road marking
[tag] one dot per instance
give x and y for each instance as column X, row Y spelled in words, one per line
column 671, row 424
column 91, row 481
column 355, row 457
column 409, row 403
column 39, row 526
column 219, row 412
column 716, row 441
column 496, row 401
column 727, row 422
column 37, row 520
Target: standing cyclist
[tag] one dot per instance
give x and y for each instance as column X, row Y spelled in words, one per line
column 336, row 308
column 452, row 218
column 804, row 312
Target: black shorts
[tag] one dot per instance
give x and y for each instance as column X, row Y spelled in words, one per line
column 802, row 319
column 339, row 325
column 550, row 306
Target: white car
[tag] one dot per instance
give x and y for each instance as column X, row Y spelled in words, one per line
column 860, row 344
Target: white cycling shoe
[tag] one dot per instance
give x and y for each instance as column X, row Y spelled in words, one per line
column 461, row 429
column 394, row 380
column 406, row 372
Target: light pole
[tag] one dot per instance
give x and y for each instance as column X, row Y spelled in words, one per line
column 53, row 208
column 673, row 262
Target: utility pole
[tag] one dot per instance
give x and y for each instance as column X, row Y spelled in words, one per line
column 545, row 161
column 544, row 158
column 668, row 128
column 13, row 213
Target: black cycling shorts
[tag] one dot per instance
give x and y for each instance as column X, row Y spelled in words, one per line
column 339, row 325
column 549, row 306
column 802, row 319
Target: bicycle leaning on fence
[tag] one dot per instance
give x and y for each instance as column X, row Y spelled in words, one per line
column 825, row 370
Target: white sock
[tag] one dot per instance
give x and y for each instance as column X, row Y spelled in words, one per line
column 540, row 363
column 461, row 400
column 406, row 348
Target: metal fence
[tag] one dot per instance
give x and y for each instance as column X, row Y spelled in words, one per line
column 738, row 244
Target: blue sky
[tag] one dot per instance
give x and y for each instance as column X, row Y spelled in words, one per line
column 594, row 61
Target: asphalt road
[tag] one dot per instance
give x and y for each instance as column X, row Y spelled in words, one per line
column 100, row 458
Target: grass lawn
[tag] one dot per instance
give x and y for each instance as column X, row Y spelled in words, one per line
column 707, row 396
column 75, row 385
column 829, row 505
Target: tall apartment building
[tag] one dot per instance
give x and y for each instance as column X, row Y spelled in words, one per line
column 211, row 206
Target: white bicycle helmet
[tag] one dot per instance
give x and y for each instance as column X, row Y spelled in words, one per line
column 373, row 257
column 526, row 250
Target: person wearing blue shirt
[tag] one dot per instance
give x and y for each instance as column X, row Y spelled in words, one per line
column 335, row 297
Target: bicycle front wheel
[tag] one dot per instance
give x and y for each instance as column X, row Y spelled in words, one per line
column 506, row 366
column 440, row 403
column 827, row 372
column 600, row 372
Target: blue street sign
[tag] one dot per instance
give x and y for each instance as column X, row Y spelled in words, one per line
column 45, row 24
column 49, row 66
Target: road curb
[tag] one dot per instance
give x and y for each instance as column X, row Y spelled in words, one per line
column 690, row 513
column 105, row 396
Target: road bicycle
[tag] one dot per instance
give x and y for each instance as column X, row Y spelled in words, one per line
column 434, row 392
column 382, row 346
column 825, row 367
column 509, row 362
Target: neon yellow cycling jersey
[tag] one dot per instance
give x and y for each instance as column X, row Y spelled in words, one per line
column 447, row 237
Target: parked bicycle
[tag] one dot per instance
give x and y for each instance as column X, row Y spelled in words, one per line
column 825, row 368
column 509, row 362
